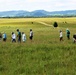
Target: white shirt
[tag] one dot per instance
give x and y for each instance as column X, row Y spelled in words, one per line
column 23, row 37
column 13, row 36
column 31, row 33
column 61, row 35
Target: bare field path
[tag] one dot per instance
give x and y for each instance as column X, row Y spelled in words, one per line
column 45, row 24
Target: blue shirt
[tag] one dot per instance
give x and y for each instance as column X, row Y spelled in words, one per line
column 4, row 35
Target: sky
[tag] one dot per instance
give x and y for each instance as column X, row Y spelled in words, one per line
column 31, row 5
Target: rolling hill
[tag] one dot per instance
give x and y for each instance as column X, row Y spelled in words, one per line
column 37, row 13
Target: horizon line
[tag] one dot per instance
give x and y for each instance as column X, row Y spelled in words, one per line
column 38, row 9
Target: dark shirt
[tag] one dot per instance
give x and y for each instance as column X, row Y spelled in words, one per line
column 0, row 35
column 74, row 36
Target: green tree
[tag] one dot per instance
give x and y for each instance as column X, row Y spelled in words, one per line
column 55, row 24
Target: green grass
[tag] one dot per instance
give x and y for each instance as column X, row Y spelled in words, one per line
column 45, row 55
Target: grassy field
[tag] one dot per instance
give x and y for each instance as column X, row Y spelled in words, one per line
column 45, row 55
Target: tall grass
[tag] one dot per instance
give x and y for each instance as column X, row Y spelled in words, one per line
column 45, row 55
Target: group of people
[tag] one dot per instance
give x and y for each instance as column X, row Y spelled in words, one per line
column 20, row 36
column 68, row 35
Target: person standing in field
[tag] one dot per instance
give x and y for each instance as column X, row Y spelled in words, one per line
column 74, row 38
column 4, row 37
column 0, row 36
column 19, row 35
column 13, row 37
column 31, row 34
column 68, row 33
column 61, row 36
column 23, row 37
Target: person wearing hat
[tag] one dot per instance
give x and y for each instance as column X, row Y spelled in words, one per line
column 68, row 33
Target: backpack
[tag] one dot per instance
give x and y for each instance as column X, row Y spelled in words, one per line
column 68, row 32
column 19, row 34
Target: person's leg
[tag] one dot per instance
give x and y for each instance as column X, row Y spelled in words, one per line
column 68, row 37
column 73, row 40
column 5, row 39
column 60, row 38
column 14, row 40
column 19, row 40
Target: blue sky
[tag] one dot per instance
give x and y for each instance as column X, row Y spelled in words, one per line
column 31, row 5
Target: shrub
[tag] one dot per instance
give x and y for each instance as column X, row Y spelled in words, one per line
column 55, row 24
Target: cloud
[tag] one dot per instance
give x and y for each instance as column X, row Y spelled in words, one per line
column 31, row 5
column 38, row 0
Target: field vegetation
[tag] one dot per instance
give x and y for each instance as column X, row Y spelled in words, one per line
column 45, row 55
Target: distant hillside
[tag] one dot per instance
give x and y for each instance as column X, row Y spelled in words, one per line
column 37, row 13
